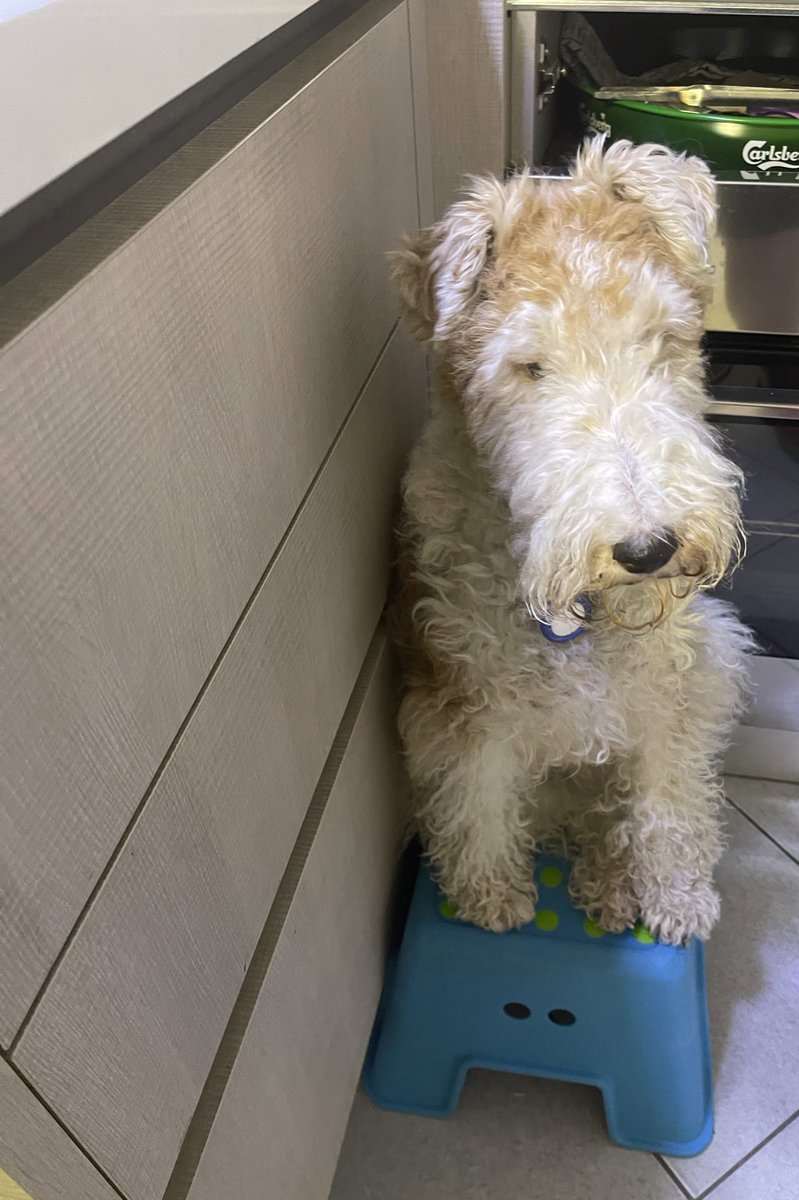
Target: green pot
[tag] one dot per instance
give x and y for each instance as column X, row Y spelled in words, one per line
column 751, row 148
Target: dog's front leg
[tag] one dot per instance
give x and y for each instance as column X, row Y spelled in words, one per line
column 471, row 823
column 648, row 851
column 676, row 835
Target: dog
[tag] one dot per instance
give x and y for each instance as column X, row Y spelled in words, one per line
column 567, row 481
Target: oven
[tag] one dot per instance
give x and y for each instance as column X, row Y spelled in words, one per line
column 752, row 340
column 755, row 408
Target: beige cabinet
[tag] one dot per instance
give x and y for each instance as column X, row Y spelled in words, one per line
column 159, row 958
column 208, row 402
column 166, row 417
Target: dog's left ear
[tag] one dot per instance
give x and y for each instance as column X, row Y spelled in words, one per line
column 438, row 271
column 676, row 192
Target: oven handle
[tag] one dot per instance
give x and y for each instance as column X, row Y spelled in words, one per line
column 782, row 405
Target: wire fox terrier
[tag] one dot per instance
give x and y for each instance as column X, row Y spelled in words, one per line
column 566, row 678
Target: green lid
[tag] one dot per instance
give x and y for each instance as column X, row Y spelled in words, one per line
column 739, row 147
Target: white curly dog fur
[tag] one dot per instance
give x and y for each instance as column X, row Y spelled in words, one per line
column 567, row 456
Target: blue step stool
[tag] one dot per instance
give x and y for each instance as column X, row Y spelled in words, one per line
column 558, row 998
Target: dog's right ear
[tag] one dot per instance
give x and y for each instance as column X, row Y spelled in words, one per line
column 438, row 271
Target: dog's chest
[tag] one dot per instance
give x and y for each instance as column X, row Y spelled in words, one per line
column 590, row 699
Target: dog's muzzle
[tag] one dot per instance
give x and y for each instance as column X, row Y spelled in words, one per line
column 646, row 556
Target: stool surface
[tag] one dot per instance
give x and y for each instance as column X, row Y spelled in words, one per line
column 554, row 911
column 559, row 997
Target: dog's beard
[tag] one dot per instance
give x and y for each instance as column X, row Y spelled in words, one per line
column 647, row 604
column 634, row 603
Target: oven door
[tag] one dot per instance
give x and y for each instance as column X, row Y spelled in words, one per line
column 755, row 388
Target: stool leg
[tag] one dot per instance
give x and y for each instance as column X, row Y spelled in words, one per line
column 413, row 1074
column 678, row 1121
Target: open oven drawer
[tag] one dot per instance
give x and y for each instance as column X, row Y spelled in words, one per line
column 756, row 255
column 756, row 247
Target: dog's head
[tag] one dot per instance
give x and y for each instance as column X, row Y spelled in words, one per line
column 568, row 316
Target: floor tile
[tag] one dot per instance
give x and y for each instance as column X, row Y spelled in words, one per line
column 774, row 806
column 776, row 693
column 773, row 1173
column 753, row 986
column 757, row 753
column 511, row 1137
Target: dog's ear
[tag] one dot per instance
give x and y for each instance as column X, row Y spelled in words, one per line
column 677, row 195
column 411, row 271
column 438, row 271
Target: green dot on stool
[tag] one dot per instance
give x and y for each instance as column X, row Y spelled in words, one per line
column 592, row 929
column 448, row 909
column 642, row 934
column 547, row 920
column 551, row 876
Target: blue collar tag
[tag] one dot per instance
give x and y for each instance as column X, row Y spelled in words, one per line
column 569, row 626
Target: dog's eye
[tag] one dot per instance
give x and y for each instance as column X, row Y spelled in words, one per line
column 534, row 370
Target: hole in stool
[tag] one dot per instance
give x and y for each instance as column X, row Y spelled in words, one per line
column 519, row 1011
column 562, row 1016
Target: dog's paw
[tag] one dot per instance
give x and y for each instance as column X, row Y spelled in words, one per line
column 608, row 900
column 676, row 919
column 613, row 914
column 499, row 911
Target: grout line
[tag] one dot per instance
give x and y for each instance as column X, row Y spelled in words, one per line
column 65, row 1129
column 761, row 778
column 674, row 1177
column 215, row 667
column 213, row 1092
column 760, row 828
column 755, row 1150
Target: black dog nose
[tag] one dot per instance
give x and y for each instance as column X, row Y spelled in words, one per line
column 645, row 555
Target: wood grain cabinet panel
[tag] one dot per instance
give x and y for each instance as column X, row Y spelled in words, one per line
column 37, row 1154
column 459, row 78
column 123, row 1038
column 161, row 424
column 282, row 1117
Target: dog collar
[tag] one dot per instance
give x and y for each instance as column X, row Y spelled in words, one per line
column 569, row 626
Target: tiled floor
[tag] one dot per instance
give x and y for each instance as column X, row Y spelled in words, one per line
column 514, row 1138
